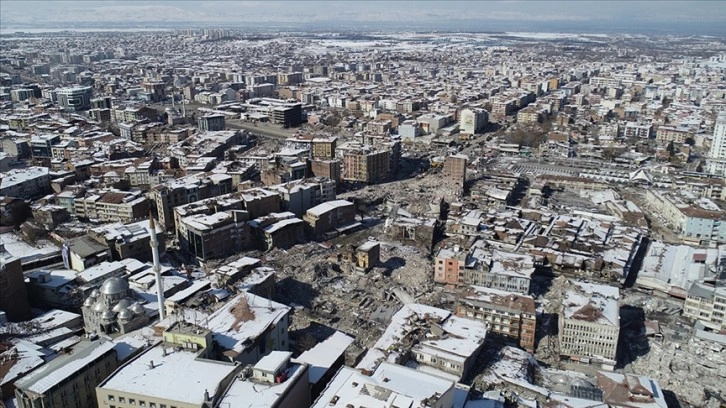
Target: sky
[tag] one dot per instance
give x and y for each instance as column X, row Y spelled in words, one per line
column 626, row 16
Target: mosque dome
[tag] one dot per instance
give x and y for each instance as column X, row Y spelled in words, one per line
column 125, row 314
column 123, row 304
column 99, row 307
column 88, row 302
column 138, row 309
column 114, row 286
column 108, row 315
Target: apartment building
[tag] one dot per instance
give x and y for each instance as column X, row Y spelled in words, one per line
column 716, row 163
column 213, row 122
column 363, row 163
column 217, row 235
column 696, row 220
column 635, row 130
column 455, row 169
column 13, row 292
column 436, row 340
column 508, row 314
column 589, row 323
column 472, row 121
column 328, row 216
column 30, row 182
column 70, row 379
column 113, row 206
column 706, row 302
column 449, row 266
column 667, row 134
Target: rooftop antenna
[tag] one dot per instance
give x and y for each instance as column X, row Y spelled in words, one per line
column 157, row 267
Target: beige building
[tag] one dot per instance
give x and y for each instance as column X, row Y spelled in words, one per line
column 707, row 303
column 589, row 323
column 70, row 379
column 168, row 375
column 455, row 169
column 507, row 314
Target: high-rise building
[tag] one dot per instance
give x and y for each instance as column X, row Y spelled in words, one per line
column 13, row 294
column 473, row 120
column 214, row 122
column 717, row 154
column 75, row 99
column 455, row 169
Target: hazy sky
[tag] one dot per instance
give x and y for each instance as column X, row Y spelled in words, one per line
column 519, row 15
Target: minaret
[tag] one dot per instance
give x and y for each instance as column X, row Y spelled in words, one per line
column 157, row 268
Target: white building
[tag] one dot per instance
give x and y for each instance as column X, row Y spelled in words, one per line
column 717, row 154
column 590, row 323
column 431, row 339
column 390, row 386
column 471, row 121
column 707, row 302
column 25, row 183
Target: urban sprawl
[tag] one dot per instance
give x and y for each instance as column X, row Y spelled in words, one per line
column 218, row 218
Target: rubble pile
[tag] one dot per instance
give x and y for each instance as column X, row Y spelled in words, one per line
column 692, row 370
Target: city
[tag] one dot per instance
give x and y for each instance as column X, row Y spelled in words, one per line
column 226, row 217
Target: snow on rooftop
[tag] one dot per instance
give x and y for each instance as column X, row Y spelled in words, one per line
column 321, row 209
column 155, row 374
column 390, row 385
column 592, row 302
column 322, row 357
column 463, row 340
column 58, row 370
column 254, row 394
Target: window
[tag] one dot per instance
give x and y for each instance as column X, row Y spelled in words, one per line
column 122, row 400
column 111, row 398
column 142, row 403
column 132, row 401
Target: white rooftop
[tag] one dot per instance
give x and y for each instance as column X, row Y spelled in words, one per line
column 390, row 385
column 164, row 381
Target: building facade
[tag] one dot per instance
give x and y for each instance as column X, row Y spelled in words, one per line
column 507, row 314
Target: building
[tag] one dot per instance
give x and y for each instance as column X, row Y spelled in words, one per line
column 629, row 390
column 169, row 374
column 273, row 382
column 325, row 359
column 696, row 220
column 449, row 266
column 455, row 169
column 288, row 115
column 213, row 122
column 70, row 379
column 113, row 206
column 472, row 121
column 84, row 252
column 502, row 270
column 246, row 328
column 277, row 230
column 717, row 153
column 367, row 256
column 126, row 241
column 75, row 99
column 389, row 384
column 589, row 323
column 431, row 339
column 328, row 216
column 301, row 195
column 706, row 302
column 31, row 182
column 217, row 235
column 635, row 130
column 365, row 164
column 507, row 314
column 13, row 293
column 113, row 308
